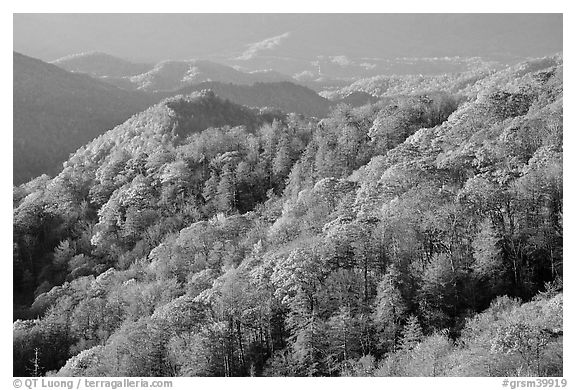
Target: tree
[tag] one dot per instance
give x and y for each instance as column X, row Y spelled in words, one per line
column 441, row 292
column 390, row 309
column 226, row 190
column 210, row 192
column 411, row 334
column 63, row 253
column 310, row 347
column 282, row 162
column 344, row 338
column 431, row 357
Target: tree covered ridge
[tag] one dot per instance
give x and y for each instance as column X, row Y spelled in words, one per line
column 362, row 244
column 468, row 82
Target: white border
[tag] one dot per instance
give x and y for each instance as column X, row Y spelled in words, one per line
column 229, row 6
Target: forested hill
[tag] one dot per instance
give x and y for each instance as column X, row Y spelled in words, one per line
column 420, row 235
column 56, row 112
column 286, row 96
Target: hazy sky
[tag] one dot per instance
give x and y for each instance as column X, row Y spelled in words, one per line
column 153, row 37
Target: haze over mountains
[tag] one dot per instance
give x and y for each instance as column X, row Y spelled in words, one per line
column 330, row 45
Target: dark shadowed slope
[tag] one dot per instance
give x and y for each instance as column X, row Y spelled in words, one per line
column 56, row 112
column 285, row 96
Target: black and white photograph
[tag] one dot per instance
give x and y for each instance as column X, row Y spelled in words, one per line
column 286, row 195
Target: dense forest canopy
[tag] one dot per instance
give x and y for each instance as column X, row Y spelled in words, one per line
column 417, row 235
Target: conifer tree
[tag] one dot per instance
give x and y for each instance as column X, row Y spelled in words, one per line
column 226, row 190
column 210, row 190
column 411, row 334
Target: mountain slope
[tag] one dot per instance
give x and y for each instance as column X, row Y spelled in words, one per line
column 465, row 83
column 162, row 250
column 56, row 112
column 387, row 86
column 101, row 65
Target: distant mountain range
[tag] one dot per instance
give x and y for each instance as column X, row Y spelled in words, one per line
column 265, row 88
column 324, row 73
column 165, row 76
